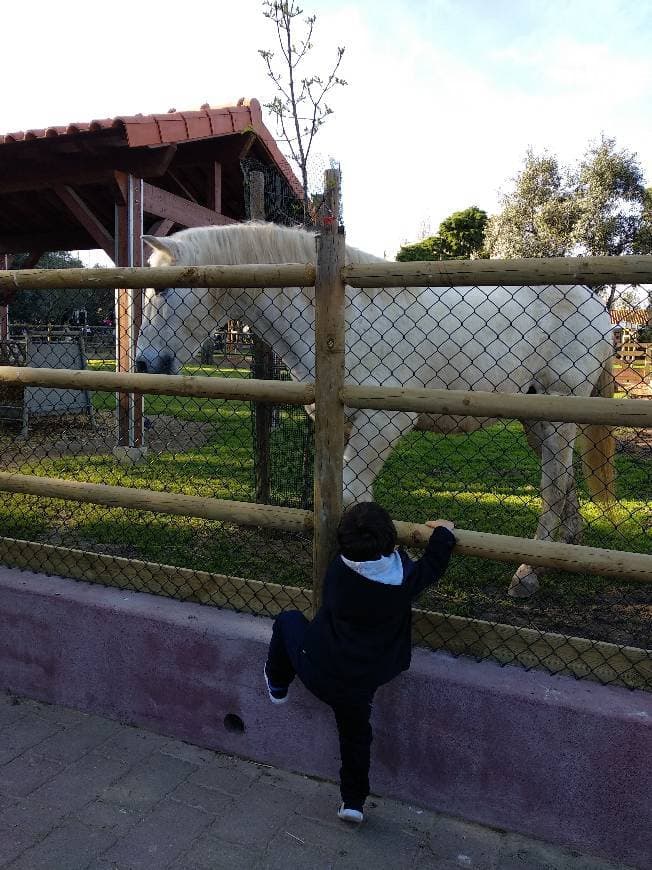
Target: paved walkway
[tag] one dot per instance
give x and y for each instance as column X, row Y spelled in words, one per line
column 79, row 792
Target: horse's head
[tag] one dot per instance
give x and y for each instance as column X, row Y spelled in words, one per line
column 176, row 321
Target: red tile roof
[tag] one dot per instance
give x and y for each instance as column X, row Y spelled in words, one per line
column 635, row 316
column 174, row 127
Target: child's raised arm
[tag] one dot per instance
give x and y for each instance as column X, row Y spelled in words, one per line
column 429, row 568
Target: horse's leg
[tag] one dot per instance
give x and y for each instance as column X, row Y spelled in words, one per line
column 570, row 528
column 373, row 434
column 556, row 448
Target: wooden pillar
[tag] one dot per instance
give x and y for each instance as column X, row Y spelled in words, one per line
column 128, row 303
column 263, row 366
column 4, row 309
column 329, row 381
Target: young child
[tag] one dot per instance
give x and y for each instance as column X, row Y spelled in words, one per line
column 361, row 635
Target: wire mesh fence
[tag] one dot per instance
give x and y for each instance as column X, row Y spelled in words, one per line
column 493, row 475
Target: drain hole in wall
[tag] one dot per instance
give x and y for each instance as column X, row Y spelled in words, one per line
column 234, row 723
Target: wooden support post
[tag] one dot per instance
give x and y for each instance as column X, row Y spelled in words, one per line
column 329, row 381
column 263, row 367
column 4, row 309
column 129, row 306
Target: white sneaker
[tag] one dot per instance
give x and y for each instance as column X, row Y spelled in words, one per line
column 350, row 814
column 276, row 696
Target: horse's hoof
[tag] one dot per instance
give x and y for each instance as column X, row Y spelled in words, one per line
column 525, row 583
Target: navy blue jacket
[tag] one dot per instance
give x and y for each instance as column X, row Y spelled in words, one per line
column 361, row 636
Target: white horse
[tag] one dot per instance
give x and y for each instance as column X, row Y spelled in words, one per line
column 511, row 340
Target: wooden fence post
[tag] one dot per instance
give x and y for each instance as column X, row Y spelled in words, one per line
column 329, row 381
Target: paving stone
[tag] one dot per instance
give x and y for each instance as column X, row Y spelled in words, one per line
column 253, row 818
column 74, row 741
column 286, row 853
column 466, row 844
column 27, row 732
column 68, row 847
column 132, row 744
column 232, row 779
column 27, row 772
column 63, row 715
column 294, row 782
column 188, row 752
column 211, row 853
column 80, row 781
column 206, row 799
column 379, row 845
column 163, row 835
column 101, row 814
column 522, row 853
column 25, row 824
column 149, row 781
column 10, row 712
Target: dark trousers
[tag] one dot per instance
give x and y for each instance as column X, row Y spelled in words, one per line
column 286, row 660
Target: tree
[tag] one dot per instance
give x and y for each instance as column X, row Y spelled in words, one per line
column 538, row 215
column 300, row 106
column 57, row 306
column 599, row 207
column 460, row 237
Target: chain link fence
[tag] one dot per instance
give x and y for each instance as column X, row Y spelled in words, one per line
column 483, row 473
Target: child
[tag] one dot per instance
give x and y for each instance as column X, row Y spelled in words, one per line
column 361, row 635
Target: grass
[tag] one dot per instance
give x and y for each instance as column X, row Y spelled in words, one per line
column 487, row 481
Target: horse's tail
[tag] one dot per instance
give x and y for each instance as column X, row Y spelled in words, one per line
column 598, row 446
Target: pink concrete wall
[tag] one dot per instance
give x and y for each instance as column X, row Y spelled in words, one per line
column 567, row 761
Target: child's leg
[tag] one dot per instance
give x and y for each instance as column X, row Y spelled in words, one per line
column 354, row 729
column 284, row 647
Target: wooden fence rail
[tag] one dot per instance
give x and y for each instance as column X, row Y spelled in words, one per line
column 475, row 403
column 503, row 548
column 592, row 271
column 139, row 277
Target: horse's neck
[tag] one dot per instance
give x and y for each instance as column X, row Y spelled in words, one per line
column 283, row 318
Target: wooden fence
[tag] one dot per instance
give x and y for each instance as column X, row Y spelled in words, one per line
column 330, row 395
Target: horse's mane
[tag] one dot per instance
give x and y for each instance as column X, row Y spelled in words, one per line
column 254, row 242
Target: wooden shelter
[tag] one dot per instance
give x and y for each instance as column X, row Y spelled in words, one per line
column 104, row 183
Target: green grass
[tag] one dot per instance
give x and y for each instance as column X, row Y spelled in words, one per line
column 486, row 481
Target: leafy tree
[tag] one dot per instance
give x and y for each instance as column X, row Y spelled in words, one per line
column 599, row 207
column 300, row 106
column 460, row 237
column 538, row 215
column 57, row 306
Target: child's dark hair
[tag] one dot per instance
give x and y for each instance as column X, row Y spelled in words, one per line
column 366, row 532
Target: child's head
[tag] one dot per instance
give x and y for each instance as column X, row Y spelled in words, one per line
column 366, row 532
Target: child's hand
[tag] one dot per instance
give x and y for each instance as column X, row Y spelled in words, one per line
column 436, row 524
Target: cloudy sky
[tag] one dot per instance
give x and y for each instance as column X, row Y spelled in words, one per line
column 444, row 97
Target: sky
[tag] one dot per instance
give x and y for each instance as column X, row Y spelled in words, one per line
column 444, row 97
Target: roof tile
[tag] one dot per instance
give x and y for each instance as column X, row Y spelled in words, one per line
column 175, row 127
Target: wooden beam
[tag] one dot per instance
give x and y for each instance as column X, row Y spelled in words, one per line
column 593, row 271
column 79, row 170
column 93, row 226
column 161, row 203
column 247, row 145
column 182, row 187
column 131, row 498
column 161, row 227
column 264, row 275
column 329, row 380
column 244, row 389
column 215, row 187
column 519, row 406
